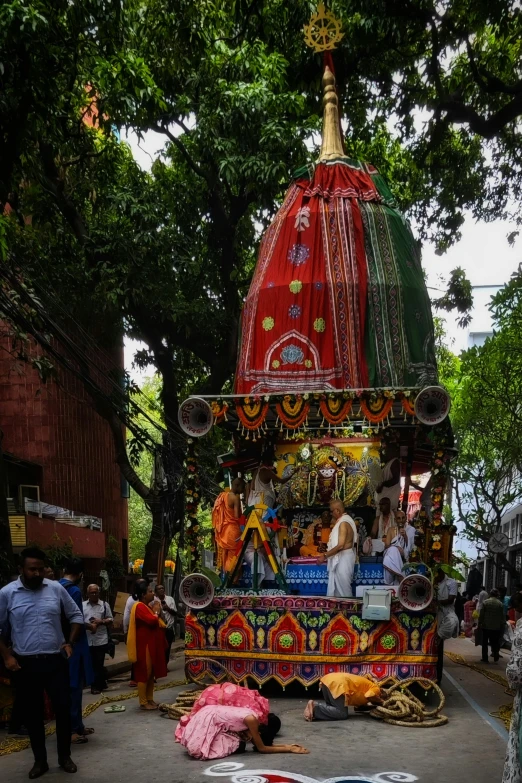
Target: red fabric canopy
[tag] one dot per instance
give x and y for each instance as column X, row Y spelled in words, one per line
column 303, row 320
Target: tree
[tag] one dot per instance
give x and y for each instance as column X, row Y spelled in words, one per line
column 487, row 420
column 235, row 95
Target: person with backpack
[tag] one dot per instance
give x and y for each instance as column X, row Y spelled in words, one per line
column 80, row 666
column 98, row 615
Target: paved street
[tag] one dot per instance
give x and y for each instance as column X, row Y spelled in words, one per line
column 132, row 747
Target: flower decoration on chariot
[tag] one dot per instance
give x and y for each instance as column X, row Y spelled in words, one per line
column 302, row 219
column 319, row 324
column 388, row 641
column 286, row 640
column 268, row 323
column 295, row 286
column 298, row 254
column 324, row 31
column 292, row 354
column 309, row 363
column 276, row 363
column 294, row 311
column 318, row 286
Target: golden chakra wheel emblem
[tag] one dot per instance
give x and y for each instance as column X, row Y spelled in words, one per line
column 324, row 31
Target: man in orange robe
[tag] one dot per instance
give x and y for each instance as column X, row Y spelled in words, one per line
column 225, row 521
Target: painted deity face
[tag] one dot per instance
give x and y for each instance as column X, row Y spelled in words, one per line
column 327, row 473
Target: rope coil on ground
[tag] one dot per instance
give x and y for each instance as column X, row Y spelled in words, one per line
column 183, row 704
column 402, row 708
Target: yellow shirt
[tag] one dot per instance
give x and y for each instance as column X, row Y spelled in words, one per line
column 357, row 691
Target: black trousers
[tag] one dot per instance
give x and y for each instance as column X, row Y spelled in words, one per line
column 170, row 636
column 38, row 674
column 98, row 664
column 493, row 638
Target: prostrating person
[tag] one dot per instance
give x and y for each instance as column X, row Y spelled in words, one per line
column 98, row 615
column 146, row 645
column 32, row 608
column 341, row 554
column 80, row 666
column 342, row 690
column 218, row 730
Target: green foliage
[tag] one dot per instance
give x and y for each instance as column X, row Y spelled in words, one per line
column 112, row 562
column 58, row 552
column 487, row 421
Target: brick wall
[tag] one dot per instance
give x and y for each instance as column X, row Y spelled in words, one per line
column 54, row 425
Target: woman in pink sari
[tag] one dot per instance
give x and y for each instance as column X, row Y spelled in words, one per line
column 224, row 718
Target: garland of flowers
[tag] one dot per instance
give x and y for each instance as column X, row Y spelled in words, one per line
column 192, row 496
column 335, row 410
column 376, row 409
column 251, row 414
column 440, row 473
column 408, row 406
column 292, row 412
column 219, row 411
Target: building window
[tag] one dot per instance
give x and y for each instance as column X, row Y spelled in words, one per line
column 125, row 488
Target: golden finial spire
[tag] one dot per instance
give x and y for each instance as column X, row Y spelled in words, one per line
column 331, row 146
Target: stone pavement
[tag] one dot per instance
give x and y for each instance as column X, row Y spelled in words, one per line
column 134, row 746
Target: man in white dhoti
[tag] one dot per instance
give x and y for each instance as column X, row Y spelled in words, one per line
column 341, row 552
column 394, row 559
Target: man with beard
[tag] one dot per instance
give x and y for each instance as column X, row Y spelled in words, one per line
column 31, row 611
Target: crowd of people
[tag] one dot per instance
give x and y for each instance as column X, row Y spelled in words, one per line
column 53, row 644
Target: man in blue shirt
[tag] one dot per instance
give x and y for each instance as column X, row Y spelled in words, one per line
column 80, row 664
column 31, row 611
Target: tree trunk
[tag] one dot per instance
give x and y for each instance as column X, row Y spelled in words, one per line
column 155, row 542
column 7, row 566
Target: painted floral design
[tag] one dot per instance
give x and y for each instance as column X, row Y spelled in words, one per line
column 338, row 641
column 302, row 219
column 276, row 363
column 415, row 639
column 189, row 638
column 211, row 636
column 319, row 325
column 260, row 637
column 363, row 641
column 235, row 639
column 388, row 641
column 308, row 363
column 292, row 354
column 286, row 640
column 268, row 323
column 312, row 640
column 271, row 284
column 298, row 254
column 294, row 311
column 295, row 286
column 318, row 286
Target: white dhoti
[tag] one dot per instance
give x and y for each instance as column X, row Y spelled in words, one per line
column 392, row 564
column 341, row 566
column 264, row 569
column 340, row 574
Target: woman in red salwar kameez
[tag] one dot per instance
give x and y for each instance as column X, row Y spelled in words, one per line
column 146, row 645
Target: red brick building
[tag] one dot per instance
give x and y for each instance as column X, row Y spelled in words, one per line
column 58, row 450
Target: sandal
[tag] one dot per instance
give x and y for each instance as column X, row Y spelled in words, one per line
column 78, row 739
column 86, row 732
column 115, row 708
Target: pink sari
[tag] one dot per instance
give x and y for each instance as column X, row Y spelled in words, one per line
column 234, row 696
column 211, row 731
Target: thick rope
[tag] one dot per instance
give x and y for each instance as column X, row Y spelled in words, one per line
column 505, row 711
column 402, row 708
column 183, row 704
column 16, row 745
